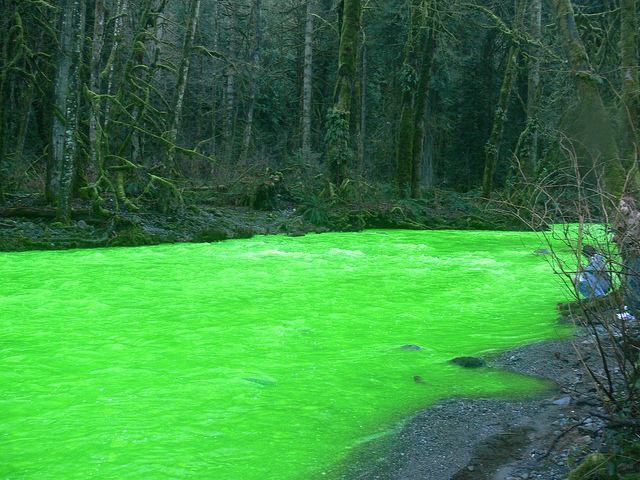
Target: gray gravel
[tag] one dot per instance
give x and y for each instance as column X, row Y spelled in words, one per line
column 495, row 439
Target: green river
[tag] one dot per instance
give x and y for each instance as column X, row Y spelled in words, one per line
column 268, row 358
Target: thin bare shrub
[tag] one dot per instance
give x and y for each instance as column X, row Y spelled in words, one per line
column 572, row 211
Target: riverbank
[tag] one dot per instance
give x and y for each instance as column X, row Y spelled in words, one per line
column 494, row 439
column 29, row 223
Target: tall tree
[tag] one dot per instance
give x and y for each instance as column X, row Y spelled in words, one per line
column 307, row 87
column 230, row 89
column 246, row 143
column 13, row 34
column 68, row 90
column 493, row 144
column 420, row 107
column 415, row 80
column 409, row 86
column 94, row 82
column 337, row 130
column 630, row 93
column 533, row 92
column 593, row 125
column 183, row 74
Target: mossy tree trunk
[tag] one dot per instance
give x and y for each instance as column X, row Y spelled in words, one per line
column 337, row 129
column 25, row 74
column 307, row 83
column 409, row 85
column 94, row 82
column 96, row 139
column 533, row 89
column 229, row 99
column 492, row 147
column 421, row 100
column 12, row 34
column 629, row 57
column 415, row 80
column 71, row 42
column 60, row 92
column 593, row 126
column 181, row 83
column 2, row 132
column 362, row 132
column 246, row 143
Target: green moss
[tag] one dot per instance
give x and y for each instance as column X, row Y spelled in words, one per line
column 593, row 467
column 132, row 235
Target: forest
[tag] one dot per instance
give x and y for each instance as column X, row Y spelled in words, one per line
column 147, row 104
column 119, row 108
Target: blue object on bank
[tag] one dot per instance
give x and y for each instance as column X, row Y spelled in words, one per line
column 594, row 281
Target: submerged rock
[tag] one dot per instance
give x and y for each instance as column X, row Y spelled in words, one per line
column 261, row 381
column 410, row 347
column 469, row 362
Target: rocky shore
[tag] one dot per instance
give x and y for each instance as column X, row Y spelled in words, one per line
column 493, row 439
column 35, row 228
column 29, row 223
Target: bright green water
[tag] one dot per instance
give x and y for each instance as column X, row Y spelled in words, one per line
column 261, row 359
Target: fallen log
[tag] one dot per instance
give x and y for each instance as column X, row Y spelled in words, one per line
column 42, row 212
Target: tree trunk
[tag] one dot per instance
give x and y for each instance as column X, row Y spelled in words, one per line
column 122, row 9
column 531, row 158
column 307, row 87
column 229, row 95
column 593, row 125
column 257, row 5
column 8, row 58
column 362, row 134
column 96, row 155
column 492, row 147
column 214, row 141
column 338, row 152
column 421, row 99
column 183, row 74
column 146, row 40
column 629, row 55
column 409, row 85
column 415, row 80
column 72, row 39
column 60, row 89
column 404, row 144
column 94, row 82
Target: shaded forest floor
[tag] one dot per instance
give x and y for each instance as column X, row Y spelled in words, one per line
column 29, row 223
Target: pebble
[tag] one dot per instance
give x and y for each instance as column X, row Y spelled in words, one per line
column 591, row 429
column 585, row 440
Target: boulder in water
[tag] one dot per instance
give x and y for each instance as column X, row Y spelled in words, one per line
column 469, row 362
column 410, row 347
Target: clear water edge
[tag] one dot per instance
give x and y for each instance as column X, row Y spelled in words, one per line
column 264, row 358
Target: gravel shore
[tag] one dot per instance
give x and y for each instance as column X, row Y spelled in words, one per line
column 477, row 439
